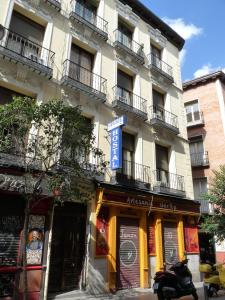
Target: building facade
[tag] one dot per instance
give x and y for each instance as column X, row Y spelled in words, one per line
column 112, row 58
column 204, row 99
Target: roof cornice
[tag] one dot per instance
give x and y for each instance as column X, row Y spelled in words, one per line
column 204, row 79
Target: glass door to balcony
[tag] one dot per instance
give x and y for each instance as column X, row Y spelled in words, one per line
column 158, row 105
column 124, row 88
column 86, row 10
column 162, row 166
column 197, row 151
column 26, row 37
column 156, row 57
column 81, row 67
column 125, row 35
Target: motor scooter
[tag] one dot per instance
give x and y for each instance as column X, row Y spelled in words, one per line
column 175, row 283
column 214, row 277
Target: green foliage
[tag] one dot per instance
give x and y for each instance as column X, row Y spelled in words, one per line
column 52, row 140
column 215, row 224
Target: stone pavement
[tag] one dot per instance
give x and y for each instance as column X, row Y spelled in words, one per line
column 132, row 294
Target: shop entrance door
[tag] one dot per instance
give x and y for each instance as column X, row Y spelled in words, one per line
column 128, row 258
column 170, row 242
column 68, row 247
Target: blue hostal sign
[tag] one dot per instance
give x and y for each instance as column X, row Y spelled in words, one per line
column 116, row 149
column 115, row 129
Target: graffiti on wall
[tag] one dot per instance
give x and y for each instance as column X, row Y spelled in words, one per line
column 35, row 239
column 191, row 239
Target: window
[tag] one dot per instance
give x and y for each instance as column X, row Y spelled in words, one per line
column 28, row 37
column 200, row 187
column 125, row 34
column 156, row 56
column 162, row 164
column 128, row 154
column 87, row 10
column 81, row 68
column 192, row 111
column 158, row 105
column 124, row 87
column 6, row 95
column 196, row 145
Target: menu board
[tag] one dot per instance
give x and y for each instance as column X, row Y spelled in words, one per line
column 10, row 228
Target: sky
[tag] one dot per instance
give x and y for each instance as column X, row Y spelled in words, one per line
column 202, row 24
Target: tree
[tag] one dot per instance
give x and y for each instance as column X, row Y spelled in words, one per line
column 51, row 144
column 215, row 223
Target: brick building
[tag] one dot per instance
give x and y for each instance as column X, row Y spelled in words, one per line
column 204, row 100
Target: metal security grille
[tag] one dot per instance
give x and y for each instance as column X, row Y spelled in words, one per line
column 128, row 258
column 170, row 242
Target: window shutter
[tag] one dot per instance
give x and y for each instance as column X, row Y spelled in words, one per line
column 124, row 81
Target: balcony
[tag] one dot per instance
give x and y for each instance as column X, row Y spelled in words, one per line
column 133, row 175
column 82, row 79
column 92, row 165
column 168, row 183
column 126, row 101
column 54, row 3
column 128, row 46
column 18, row 49
column 160, row 68
column 200, row 159
column 161, row 118
column 205, row 207
column 82, row 15
column 196, row 119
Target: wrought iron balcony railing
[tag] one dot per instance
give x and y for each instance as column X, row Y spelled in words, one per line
column 54, row 3
column 160, row 65
column 83, row 79
column 197, row 118
column 200, row 159
column 160, row 117
column 20, row 49
column 168, row 183
column 82, row 14
column 130, row 102
column 133, row 174
column 125, row 43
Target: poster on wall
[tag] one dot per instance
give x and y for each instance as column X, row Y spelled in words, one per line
column 151, row 233
column 35, row 239
column 102, row 227
column 191, row 239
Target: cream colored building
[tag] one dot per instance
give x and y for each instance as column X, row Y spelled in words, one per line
column 112, row 58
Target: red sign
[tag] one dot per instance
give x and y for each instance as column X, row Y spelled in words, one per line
column 151, row 228
column 102, row 228
column 191, row 239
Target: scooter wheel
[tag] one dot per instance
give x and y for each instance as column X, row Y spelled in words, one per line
column 160, row 296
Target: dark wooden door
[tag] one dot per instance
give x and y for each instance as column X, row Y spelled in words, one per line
column 170, row 240
column 128, row 258
column 68, row 247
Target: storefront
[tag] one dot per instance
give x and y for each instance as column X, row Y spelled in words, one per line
column 137, row 233
column 22, row 264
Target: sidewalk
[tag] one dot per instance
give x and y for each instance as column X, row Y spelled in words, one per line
column 132, row 294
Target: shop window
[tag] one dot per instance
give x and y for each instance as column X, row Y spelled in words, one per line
column 102, row 228
column 192, row 111
column 151, row 236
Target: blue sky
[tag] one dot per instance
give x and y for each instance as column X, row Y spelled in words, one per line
column 202, row 24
